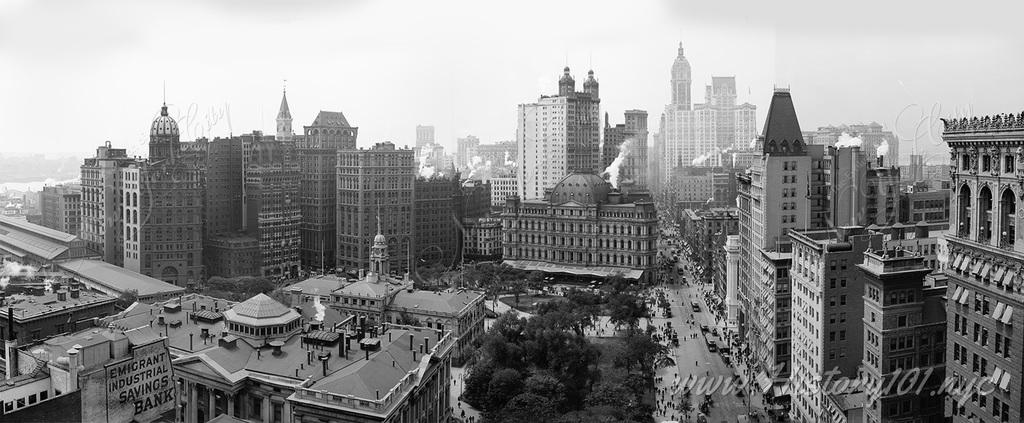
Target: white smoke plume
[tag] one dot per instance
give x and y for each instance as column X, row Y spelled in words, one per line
column 479, row 169
column 321, row 309
column 845, row 140
column 12, row 268
column 699, row 160
column 426, row 171
column 753, row 144
column 508, row 160
column 615, row 168
column 883, row 149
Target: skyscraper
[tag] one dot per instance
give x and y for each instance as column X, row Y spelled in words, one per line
column 435, row 233
column 692, row 134
column 559, row 135
column 632, row 172
column 61, row 207
column 986, row 254
column 318, row 159
column 102, row 204
column 424, row 135
column 776, row 195
column 163, row 209
column 272, row 211
column 466, row 149
column 371, row 181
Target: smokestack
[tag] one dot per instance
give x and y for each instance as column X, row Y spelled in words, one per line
column 342, row 345
column 412, row 341
column 62, row 295
column 74, row 292
column 10, row 325
column 190, row 341
column 426, row 343
column 324, row 361
column 72, row 368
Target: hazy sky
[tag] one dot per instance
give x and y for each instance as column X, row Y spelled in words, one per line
column 74, row 73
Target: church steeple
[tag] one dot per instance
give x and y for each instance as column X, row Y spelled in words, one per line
column 379, row 251
column 284, row 118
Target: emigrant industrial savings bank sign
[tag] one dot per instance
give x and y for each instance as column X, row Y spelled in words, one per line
column 138, row 388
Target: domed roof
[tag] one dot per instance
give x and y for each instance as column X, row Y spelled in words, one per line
column 566, row 78
column 584, row 188
column 590, row 79
column 164, row 124
column 380, row 240
column 260, row 307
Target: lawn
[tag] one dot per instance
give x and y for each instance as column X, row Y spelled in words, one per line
column 529, row 303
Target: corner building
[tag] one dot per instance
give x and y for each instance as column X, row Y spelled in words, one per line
column 985, row 293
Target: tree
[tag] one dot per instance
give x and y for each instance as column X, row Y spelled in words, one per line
column 518, row 287
column 477, row 381
column 527, row 408
column 545, row 386
column 610, row 394
column 126, row 299
column 505, row 384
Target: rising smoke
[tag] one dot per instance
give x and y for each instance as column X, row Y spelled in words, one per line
column 699, row 160
column 883, row 149
column 613, row 171
column 845, row 140
column 321, row 310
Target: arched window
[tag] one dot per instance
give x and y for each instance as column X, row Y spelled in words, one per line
column 964, row 211
column 1008, row 214
column 984, row 214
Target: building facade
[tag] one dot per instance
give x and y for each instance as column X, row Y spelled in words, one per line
column 558, row 135
column 465, row 150
column 582, row 227
column 904, row 329
column 102, row 220
column 986, row 252
column 163, row 210
column 435, row 227
column 424, row 135
column 61, row 208
column 273, row 213
column 375, row 185
column 318, row 161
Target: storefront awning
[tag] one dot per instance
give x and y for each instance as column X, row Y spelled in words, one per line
column 764, row 382
column 956, row 261
column 599, row 271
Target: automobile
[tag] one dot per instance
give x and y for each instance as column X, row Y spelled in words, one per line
column 704, row 328
column 711, row 346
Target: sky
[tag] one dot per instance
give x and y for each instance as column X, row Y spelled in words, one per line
column 74, row 74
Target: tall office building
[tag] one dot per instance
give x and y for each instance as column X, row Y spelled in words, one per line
column 424, row 135
column 272, row 211
column 986, row 252
column 776, row 195
column 466, row 149
column 632, row 173
column 61, row 207
column 559, row 135
column 904, row 331
column 163, row 209
column 435, row 232
column 827, row 309
column 375, row 182
column 318, row 159
column 102, row 217
column 692, row 134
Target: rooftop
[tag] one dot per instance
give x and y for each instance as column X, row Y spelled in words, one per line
column 119, row 279
column 28, row 307
column 319, row 285
column 177, row 326
column 22, row 238
column 448, row 301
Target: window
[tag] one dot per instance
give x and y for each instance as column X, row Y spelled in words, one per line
column 901, row 321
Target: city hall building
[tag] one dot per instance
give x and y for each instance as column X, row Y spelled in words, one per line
column 583, row 227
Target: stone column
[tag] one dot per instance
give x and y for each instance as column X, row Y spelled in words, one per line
column 231, row 404
column 286, row 412
column 211, row 393
column 192, row 406
column 266, row 414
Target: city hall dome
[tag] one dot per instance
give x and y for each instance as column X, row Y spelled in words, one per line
column 584, row 188
column 164, row 124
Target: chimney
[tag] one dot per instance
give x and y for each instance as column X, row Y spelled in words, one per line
column 342, row 345
column 411, row 341
column 190, row 341
column 72, row 368
column 614, row 197
column 324, row 361
column 62, row 295
column 426, row 343
column 414, row 356
column 74, row 292
column 309, row 357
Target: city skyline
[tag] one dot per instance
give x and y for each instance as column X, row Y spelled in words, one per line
column 388, row 72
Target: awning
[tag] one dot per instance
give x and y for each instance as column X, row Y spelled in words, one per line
column 1005, row 382
column 963, row 298
column 1007, row 315
column 998, row 276
column 977, row 266
column 998, row 311
column 1008, row 278
column 998, row 373
column 957, row 258
column 600, row 271
column 764, row 382
column 986, row 269
column 779, row 391
column 956, row 294
column 965, row 264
